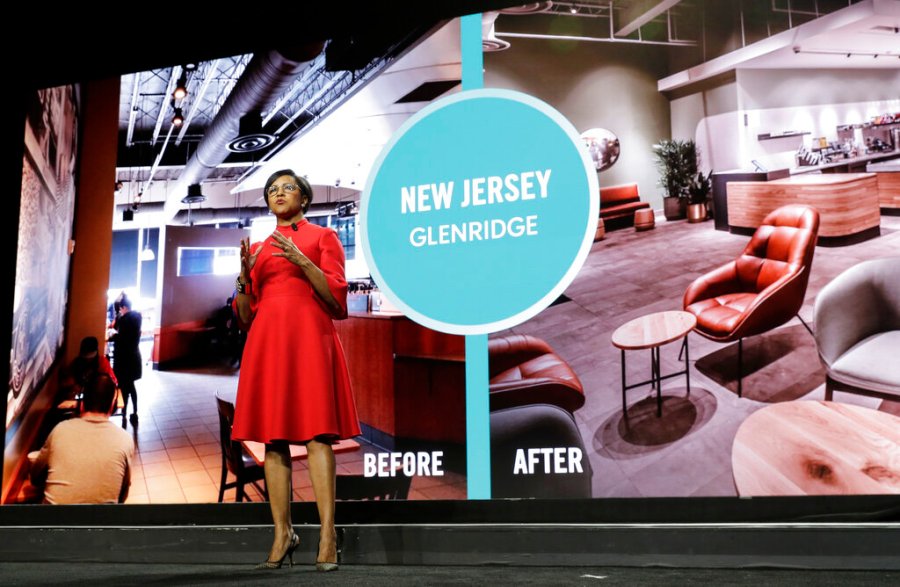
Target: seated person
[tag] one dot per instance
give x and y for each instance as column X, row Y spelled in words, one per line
column 84, row 367
column 221, row 320
column 87, row 459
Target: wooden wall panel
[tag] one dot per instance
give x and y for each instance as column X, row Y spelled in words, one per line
column 408, row 380
column 368, row 345
column 889, row 189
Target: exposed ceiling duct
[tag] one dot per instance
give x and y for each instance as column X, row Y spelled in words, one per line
column 342, row 145
column 489, row 40
column 251, row 136
column 267, row 76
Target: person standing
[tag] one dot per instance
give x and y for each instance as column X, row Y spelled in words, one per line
column 294, row 386
column 127, row 363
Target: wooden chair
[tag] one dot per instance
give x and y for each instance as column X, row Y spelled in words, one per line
column 235, row 459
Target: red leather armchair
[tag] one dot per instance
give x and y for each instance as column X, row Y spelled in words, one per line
column 764, row 287
column 524, row 370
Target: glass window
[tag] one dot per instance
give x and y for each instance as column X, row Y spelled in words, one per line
column 208, row 261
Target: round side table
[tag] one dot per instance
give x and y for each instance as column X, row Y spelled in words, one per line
column 651, row 332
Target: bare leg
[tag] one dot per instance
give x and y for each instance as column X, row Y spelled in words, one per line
column 278, row 484
column 321, row 473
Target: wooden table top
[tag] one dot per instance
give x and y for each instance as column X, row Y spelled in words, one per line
column 257, row 450
column 72, row 404
column 817, row 448
column 653, row 330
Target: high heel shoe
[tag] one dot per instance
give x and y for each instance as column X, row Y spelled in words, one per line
column 288, row 554
column 326, row 567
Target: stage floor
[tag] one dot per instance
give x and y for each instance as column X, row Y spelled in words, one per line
column 182, row 574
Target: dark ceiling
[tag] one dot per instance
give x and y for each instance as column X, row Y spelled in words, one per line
column 136, row 37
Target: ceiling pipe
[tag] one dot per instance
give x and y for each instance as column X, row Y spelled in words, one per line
column 132, row 113
column 214, row 215
column 164, row 107
column 211, row 72
column 198, row 215
column 266, row 77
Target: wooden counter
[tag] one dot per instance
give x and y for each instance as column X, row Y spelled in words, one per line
column 847, row 202
column 408, row 380
column 888, row 174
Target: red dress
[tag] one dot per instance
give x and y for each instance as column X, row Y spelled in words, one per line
column 294, row 384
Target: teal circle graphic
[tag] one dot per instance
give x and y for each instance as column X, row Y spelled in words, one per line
column 479, row 212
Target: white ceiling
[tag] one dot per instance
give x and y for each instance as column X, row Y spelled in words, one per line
column 343, row 147
column 849, row 30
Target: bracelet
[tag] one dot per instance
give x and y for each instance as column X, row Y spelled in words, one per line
column 243, row 288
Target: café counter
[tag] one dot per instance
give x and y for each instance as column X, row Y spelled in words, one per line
column 408, row 381
column 888, row 173
column 847, row 202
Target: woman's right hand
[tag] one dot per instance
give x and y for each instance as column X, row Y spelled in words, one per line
column 248, row 259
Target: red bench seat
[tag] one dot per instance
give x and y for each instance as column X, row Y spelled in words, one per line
column 618, row 204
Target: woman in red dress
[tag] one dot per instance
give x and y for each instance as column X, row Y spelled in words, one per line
column 294, row 386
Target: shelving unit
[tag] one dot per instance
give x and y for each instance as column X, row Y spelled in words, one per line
column 769, row 136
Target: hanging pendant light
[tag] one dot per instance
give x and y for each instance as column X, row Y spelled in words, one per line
column 147, row 253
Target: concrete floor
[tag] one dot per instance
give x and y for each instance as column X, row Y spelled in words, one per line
column 687, row 452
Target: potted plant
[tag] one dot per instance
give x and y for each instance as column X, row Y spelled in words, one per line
column 677, row 164
column 698, row 192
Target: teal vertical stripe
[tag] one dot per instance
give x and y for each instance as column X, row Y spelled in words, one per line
column 478, row 429
column 472, row 56
column 478, row 424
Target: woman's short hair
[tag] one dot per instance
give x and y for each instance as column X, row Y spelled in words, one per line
column 99, row 393
column 301, row 181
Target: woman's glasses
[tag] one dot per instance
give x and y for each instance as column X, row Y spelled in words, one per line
column 288, row 188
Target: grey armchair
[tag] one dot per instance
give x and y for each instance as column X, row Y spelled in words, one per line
column 858, row 330
column 524, row 432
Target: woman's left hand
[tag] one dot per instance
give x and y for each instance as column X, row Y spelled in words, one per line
column 290, row 251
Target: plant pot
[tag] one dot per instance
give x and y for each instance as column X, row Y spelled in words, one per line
column 696, row 213
column 674, row 208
